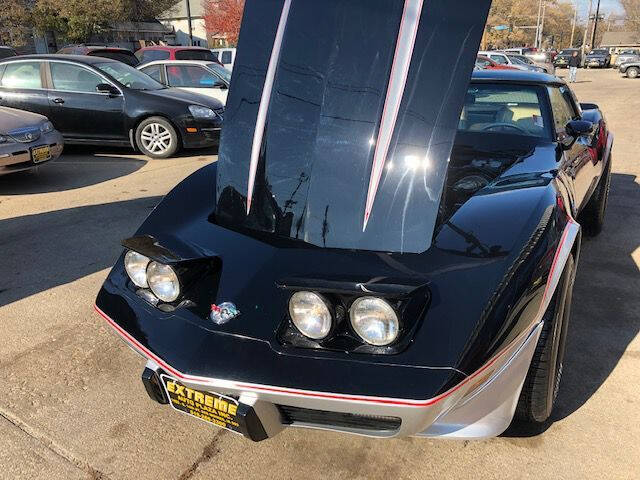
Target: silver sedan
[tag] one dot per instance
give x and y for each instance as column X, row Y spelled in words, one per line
column 27, row 140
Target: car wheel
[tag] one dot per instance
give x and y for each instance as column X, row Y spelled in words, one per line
column 592, row 217
column 156, row 138
column 633, row 72
column 541, row 386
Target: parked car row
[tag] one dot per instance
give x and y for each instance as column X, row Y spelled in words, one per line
column 96, row 100
column 519, row 62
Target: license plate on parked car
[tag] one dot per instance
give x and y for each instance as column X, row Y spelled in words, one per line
column 211, row 407
column 40, row 154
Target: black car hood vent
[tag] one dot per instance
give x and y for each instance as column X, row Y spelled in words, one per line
column 341, row 118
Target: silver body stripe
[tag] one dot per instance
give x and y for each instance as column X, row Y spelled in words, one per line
column 265, row 100
column 395, row 92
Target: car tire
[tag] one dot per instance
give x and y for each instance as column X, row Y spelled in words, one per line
column 540, row 389
column 633, row 72
column 592, row 217
column 156, row 138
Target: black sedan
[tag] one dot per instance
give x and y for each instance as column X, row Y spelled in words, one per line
column 383, row 248
column 99, row 101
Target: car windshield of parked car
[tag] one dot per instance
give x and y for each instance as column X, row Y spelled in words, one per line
column 220, row 71
column 129, row 76
column 599, row 52
column 566, row 52
column 517, row 61
column 194, row 55
column 505, row 109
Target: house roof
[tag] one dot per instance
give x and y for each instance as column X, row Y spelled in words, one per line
column 622, row 39
column 179, row 10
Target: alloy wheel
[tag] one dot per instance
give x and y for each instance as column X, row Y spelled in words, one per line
column 156, row 138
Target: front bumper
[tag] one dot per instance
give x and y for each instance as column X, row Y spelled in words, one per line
column 16, row 157
column 480, row 406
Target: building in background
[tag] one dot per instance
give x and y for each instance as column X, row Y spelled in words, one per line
column 177, row 19
column 621, row 40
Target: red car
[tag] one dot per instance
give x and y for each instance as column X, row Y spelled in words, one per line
column 485, row 63
column 165, row 52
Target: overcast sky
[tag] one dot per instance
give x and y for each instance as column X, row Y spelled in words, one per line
column 606, row 6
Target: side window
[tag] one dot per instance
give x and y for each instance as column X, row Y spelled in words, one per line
column 22, row 75
column 154, row 72
column 226, row 57
column 72, row 78
column 563, row 111
column 498, row 59
column 190, row 76
column 151, row 55
column 483, row 63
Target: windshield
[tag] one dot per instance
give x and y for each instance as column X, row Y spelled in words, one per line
column 129, row 76
column 194, row 55
column 220, row 71
column 505, row 109
column 566, row 52
column 599, row 52
column 517, row 60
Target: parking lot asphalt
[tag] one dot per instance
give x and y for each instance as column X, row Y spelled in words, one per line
column 72, row 404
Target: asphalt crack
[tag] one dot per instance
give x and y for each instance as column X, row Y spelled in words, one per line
column 51, row 445
column 208, row 452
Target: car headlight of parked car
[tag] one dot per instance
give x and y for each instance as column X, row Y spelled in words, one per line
column 310, row 314
column 375, row 321
column 3, row 139
column 202, row 112
column 46, row 127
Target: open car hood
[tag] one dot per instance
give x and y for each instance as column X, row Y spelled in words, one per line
column 341, row 118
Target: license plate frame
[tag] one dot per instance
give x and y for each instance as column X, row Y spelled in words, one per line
column 40, row 154
column 210, row 407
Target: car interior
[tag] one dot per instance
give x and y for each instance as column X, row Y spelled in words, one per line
column 492, row 108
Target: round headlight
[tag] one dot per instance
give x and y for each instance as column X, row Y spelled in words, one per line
column 374, row 320
column 163, row 282
column 310, row 314
column 136, row 267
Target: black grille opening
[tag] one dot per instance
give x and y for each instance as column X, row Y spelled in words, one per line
column 338, row 419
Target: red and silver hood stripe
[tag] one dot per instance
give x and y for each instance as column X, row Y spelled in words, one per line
column 395, row 92
column 265, row 100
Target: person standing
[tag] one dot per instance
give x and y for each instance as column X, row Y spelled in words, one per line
column 574, row 63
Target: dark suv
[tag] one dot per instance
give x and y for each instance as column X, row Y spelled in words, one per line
column 114, row 53
column 562, row 59
column 598, row 58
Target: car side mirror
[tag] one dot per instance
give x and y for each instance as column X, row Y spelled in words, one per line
column 574, row 130
column 107, row 88
column 220, row 85
column 579, row 128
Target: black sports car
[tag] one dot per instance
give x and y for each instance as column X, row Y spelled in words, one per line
column 384, row 247
column 100, row 101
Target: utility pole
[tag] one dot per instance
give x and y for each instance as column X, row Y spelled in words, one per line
column 544, row 14
column 573, row 27
column 595, row 26
column 586, row 28
column 189, row 22
column 537, row 45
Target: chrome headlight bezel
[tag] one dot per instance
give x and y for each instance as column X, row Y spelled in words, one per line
column 136, row 264
column 158, row 286
column 323, row 308
column 383, row 317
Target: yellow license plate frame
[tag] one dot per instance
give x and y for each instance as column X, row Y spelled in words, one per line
column 41, row 154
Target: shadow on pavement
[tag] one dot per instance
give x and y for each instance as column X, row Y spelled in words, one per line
column 46, row 250
column 606, row 302
column 68, row 173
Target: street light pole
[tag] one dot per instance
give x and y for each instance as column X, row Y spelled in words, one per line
column 595, row 26
column 189, row 23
